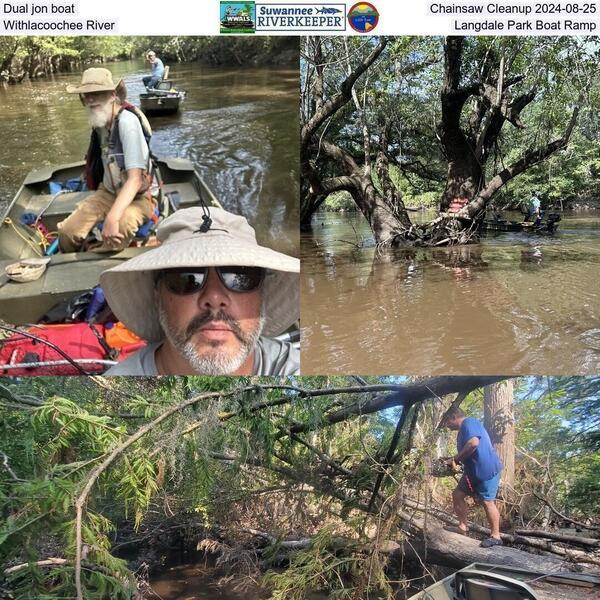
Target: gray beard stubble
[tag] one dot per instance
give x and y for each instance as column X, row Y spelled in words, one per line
column 215, row 362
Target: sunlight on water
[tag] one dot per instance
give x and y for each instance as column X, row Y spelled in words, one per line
column 238, row 126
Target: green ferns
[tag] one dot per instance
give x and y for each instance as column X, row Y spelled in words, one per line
column 341, row 568
column 68, row 441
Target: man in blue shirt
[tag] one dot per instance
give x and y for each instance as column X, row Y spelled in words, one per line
column 158, row 70
column 481, row 476
column 533, row 208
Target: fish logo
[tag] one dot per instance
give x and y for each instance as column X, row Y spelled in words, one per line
column 363, row 17
column 328, row 11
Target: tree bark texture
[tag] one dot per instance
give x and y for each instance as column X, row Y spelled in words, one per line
column 499, row 420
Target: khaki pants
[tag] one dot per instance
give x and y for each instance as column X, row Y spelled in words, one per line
column 75, row 228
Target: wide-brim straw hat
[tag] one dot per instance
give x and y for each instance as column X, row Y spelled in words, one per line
column 230, row 241
column 98, row 79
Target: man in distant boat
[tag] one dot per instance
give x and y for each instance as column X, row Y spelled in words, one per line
column 209, row 300
column 158, row 70
column 481, row 476
column 534, row 209
column 117, row 166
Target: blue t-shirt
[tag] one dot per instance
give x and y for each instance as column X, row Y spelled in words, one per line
column 484, row 463
column 158, row 69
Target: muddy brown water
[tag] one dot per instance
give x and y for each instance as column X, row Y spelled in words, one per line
column 513, row 304
column 238, row 126
column 199, row 582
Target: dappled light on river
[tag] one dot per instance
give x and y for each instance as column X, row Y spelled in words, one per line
column 238, row 126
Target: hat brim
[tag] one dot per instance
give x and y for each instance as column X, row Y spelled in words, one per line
column 129, row 287
column 90, row 88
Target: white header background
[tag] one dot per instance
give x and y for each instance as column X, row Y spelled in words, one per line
column 397, row 17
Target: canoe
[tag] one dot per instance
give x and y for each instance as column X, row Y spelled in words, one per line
column 548, row 225
column 164, row 99
column 494, row 582
column 68, row 275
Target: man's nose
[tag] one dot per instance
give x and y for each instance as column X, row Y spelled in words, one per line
column 213, row 294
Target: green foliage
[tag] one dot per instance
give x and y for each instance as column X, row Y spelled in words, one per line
column 559, row 425
column 584, row 495
column 400, row 95
column 41, row 55
column 219, row 461
column 340, row 572
column 339, row 201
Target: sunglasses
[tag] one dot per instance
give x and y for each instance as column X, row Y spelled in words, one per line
column 190, row 281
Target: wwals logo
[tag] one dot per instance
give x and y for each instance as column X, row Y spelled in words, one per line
column 238, row 17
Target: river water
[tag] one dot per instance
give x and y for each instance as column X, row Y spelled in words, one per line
column 201, row 582
column 238, row 126
column 513, row 304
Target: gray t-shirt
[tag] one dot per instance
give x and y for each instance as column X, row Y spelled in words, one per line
column 271, row 357
column 135, row 148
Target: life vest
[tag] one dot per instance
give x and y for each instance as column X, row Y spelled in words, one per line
column 94, row 167
column 77, row 340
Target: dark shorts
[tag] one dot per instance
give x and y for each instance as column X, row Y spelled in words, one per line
column 485, row 490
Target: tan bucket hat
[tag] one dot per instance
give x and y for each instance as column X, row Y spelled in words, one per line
column 28, row 269
column 230, row 241
column 98, row 79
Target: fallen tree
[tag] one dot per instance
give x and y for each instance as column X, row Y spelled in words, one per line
column 309, row 464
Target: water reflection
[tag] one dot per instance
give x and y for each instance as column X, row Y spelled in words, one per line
column 238, row 126
column 201, row 582
column 511, row 304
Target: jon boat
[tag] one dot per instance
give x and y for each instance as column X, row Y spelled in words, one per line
column 481, row 581
column 548, row 224
column 68, row 275
column 164, row 99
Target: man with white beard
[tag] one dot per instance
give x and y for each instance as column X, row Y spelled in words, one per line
column 117, row 167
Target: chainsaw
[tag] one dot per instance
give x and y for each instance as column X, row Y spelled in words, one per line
column 441, row 468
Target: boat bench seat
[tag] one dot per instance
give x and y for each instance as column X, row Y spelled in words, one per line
column 65, row 204
column 67, row 275
column 188, row 193
column 62, row 206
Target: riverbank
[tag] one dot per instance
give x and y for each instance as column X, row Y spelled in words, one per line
column 578, row 204
column 25, row 58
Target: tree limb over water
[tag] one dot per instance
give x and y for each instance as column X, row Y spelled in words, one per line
column 494, row 106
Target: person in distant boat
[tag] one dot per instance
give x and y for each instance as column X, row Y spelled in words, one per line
column 158, row 71
column 208, row 300
column 481, row 476
column 117, row 166
column 534, row 208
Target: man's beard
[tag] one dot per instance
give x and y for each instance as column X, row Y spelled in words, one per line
column 101, row 116
column 214, row 361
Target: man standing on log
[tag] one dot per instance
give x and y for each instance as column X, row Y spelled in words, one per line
column 481, row 475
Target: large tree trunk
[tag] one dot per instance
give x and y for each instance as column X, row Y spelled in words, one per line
column 464, row 170
column 441, row 547
column 386, row 220
column 384, row 223
column 499, row 421
column 463, row 181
